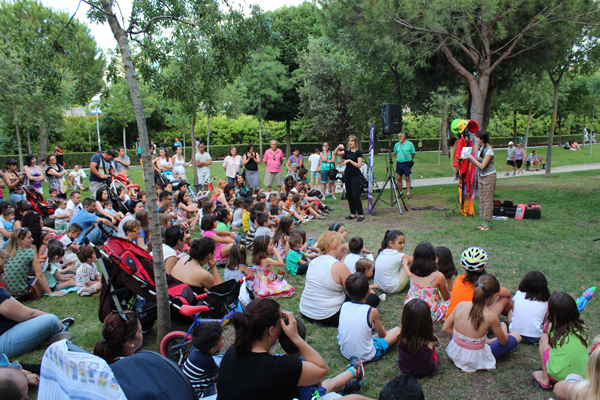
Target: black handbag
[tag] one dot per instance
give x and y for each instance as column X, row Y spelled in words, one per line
column 332, row 174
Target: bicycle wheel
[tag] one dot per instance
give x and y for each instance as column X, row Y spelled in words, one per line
column 175, row 348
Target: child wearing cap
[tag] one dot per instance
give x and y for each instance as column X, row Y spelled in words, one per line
column 474, row 261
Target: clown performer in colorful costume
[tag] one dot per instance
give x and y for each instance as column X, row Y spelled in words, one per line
column 465, row 170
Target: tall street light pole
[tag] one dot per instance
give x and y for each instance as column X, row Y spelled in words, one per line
column 96, row 103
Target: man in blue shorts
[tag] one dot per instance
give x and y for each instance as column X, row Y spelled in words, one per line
column 405, row 154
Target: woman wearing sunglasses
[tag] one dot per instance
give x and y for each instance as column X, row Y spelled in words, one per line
column 122, row 336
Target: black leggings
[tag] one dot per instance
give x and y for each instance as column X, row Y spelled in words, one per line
column 352, row 183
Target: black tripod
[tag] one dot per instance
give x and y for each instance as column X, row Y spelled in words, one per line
column 396, row 195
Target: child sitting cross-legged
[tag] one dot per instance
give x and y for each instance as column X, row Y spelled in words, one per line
column 87, row 277
column 348, row 381
column 251, row 234
column 52, row 270
column 294, row 262
column 445, row 265
column 262, row 220
column 357, row 319
column 200, row 368
column 236, row 267
column 417, row 343
column 427, row 283
column 356, row 247
column 267, row 283
column 70, row 244
column 367, row 268
column 469, row 322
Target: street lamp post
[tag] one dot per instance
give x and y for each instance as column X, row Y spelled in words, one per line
column 96, row 103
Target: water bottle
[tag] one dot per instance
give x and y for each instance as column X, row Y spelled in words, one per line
column 310, row 242
column 140, row 302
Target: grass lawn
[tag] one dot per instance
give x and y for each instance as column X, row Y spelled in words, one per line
column 560, row 245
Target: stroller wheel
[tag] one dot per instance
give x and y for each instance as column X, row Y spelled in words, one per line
column 175, row 348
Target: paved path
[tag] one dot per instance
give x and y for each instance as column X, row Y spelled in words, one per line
column 417, row 182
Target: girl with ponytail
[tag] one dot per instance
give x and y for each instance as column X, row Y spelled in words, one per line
column 470, row 349
column 392, row 265
column 249, row 371
column 122, row 336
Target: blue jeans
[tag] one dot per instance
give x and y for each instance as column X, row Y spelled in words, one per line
column 28, row 334
column 15, row 198
column 97, row 237
column 231, row 180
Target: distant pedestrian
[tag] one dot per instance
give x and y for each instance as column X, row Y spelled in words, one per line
column 122, row 162
column 405, row 154
column 164, row 144
column 510, row 159
column 138, row 148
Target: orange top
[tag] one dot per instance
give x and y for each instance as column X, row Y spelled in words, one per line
column 461, row 291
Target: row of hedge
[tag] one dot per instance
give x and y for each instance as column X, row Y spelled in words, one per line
column 218, row 152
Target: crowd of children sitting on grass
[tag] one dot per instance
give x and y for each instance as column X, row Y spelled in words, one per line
column 337, row 293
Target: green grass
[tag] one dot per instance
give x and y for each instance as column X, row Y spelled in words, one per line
column 560, row 245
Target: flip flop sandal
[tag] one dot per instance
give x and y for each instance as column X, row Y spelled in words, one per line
column 545, row 387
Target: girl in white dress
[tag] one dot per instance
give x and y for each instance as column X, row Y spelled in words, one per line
column 470, row 349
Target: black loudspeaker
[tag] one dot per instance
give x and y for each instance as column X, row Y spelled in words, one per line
column 391, row 118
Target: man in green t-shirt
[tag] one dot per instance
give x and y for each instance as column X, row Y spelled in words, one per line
column 405, row 153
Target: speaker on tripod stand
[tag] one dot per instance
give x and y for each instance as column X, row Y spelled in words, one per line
column 391, row 123
column 391, row 118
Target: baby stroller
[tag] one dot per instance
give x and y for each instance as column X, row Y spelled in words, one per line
column 40, row 206
column 128, row 283
column 160, row 179
column 220, row 304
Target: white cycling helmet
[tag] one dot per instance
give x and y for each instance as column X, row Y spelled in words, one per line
column 474, row 259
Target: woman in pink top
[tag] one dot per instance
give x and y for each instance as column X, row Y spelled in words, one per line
column 273, row 159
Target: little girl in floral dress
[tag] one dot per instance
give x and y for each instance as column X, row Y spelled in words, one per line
column 267, row 283
column 426, row 282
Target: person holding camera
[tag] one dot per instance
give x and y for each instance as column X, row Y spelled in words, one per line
column 405, row 154
column 352, row 159
column 250, row 161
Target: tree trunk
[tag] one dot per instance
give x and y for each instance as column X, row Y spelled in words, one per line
column 41, row 155
column 552, row 126
column 207, row 131
column 124, row 125
column 487, row 109
column 260, row 136
column 193, row 133
column 18, row 132
column 162, row 296
column 288, row 144
column 183, row 141
column 527, row 130
column 444, row 129
column 29, row 142
column 515, row 114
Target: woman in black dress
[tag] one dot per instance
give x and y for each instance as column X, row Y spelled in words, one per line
column 352, row 159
